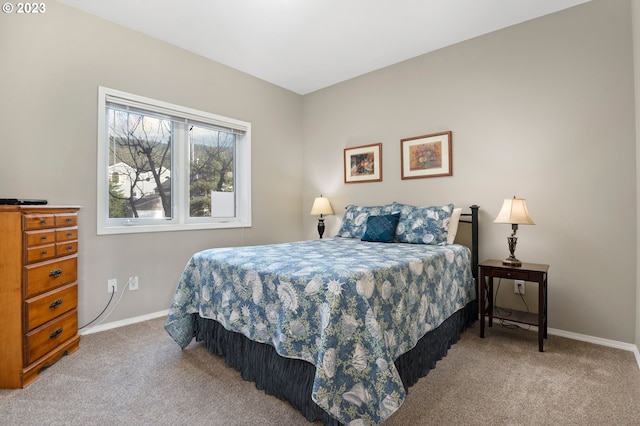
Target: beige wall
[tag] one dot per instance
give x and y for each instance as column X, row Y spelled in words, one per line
column 543, row 110
column 50, row 69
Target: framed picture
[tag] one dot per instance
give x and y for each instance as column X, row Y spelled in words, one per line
column 426, row 156
column 363, row 163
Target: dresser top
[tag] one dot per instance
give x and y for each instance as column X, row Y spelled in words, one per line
column 38, row 208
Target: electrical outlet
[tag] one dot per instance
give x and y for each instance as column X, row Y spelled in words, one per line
column 518, row 286
column 133, row 283
column 112, row 285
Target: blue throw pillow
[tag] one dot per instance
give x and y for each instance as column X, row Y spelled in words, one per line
column 425, row 225
column 381, row 228
column 354, row 220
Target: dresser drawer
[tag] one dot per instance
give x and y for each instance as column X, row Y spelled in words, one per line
column 47, row 337
column 65, row 249
column 46, row 307
column 67, row 234
column 45, row 276
column 37, row 254
column 37, row 238
column 66, row 219
column 38, row 221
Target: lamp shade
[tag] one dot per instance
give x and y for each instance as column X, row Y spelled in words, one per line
column 321, row 206
column 514, row 211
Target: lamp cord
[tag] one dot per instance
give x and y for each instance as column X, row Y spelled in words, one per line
column 96, row 318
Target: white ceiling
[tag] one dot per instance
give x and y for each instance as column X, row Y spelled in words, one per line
column 306, row 45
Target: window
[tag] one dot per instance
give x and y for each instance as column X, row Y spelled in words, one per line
column 164, row 167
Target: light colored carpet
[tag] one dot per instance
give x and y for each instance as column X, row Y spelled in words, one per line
column 137, row 375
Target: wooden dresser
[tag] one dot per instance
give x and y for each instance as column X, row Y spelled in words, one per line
column 38, row 289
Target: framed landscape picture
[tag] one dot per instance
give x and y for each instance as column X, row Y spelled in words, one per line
column 426, row 156
column 363, row 163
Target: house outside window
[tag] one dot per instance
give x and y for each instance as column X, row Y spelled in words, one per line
column 164, row 167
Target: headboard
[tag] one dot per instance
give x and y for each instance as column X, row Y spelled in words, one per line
column 472, row 218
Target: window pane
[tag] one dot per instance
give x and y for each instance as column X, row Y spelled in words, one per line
column 211, row 172
column 139, row 165
column 165, row 167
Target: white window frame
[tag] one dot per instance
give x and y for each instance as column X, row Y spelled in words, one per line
column 180, row 182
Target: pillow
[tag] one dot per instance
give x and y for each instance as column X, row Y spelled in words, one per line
column 425, row 225
column 354, row 221
column 381, row 228
column 452, row 231
column 404, row 209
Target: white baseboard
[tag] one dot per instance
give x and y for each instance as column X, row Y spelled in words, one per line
column 553, row 331
column 596, row 340
column 589, row 339
column 122, row 323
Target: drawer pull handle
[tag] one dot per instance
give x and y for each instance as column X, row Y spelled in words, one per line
column 69, row 247
column 69, row 234
column 43, row 252
column 68, row 220
column 55, row 333
column 55, row 304
column 56, row 273
column 43, row 221
column 44, row 237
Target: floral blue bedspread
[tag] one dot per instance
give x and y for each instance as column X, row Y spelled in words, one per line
column 347, row 306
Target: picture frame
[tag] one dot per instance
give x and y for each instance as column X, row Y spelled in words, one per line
column 426, row 156
column 363, row 163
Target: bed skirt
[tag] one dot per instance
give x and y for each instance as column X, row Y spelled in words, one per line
column 292, row 379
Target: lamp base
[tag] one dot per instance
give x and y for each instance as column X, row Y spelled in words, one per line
column 512, row 240
column 512, row 261
column 320, row 226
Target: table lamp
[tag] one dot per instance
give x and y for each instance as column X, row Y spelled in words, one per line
column 321, row 206
column 514, row 211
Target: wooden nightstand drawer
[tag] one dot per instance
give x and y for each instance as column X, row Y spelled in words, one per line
column 46, row 276
column 46, row 307
column 47, row 337
column 512, row 275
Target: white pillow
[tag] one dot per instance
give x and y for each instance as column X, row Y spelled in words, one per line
column 453, row 226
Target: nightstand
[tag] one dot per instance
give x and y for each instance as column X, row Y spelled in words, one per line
column 532, row 272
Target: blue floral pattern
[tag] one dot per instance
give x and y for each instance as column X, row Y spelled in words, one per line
column 424, row 225
column 354, row 221
column 347, row 306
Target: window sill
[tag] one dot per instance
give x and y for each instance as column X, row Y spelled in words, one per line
column 137, row 229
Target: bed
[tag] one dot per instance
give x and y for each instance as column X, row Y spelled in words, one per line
column 339, row 327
